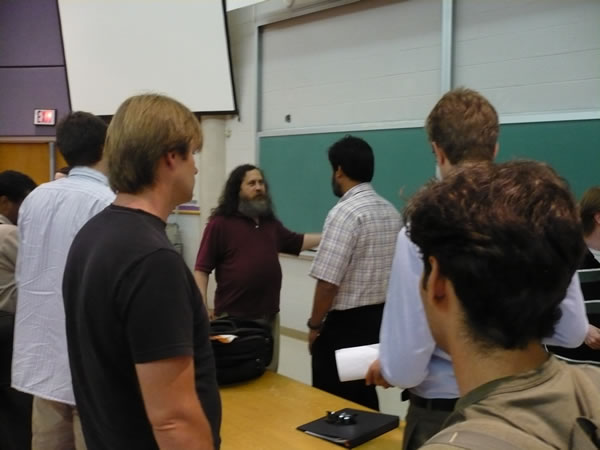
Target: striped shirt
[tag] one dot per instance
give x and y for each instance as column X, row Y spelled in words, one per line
column 357, row 247
column 49, row 219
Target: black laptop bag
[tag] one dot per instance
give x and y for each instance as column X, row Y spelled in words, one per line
column 246, row 356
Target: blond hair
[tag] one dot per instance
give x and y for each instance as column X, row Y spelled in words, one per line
column 142, row 131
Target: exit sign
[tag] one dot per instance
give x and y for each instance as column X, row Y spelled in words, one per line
column 44, row 117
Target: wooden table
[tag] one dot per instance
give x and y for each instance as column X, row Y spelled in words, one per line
column 263, row 415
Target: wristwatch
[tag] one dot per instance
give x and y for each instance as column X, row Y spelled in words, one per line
column 313, row 327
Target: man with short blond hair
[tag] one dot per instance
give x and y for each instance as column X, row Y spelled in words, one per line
column 142, row 363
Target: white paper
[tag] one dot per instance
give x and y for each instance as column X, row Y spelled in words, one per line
column 353, row 362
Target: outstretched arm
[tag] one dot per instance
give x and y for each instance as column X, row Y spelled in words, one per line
column 311, row 240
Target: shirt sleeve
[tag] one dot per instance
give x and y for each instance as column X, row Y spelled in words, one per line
column 155, row 301
column 571, row 329
column 337, row 245
column 208, row 253
column 406, row 343
column 9, row 245
column 289, row 242
column 9, row 242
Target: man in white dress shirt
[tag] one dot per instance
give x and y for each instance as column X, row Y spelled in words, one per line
column 49, row 218
column 463, row 129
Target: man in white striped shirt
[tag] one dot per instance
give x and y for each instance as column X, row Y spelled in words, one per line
column 352, row 268
column 49, row 218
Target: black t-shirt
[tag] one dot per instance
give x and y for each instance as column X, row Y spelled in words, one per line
column 129, row 298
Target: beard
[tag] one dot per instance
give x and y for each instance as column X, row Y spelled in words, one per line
column 256, row 207
column 335, row 186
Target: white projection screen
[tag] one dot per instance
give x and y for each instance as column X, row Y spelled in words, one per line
column 118, row 48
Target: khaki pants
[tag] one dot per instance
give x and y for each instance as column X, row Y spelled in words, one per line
column 55, row 426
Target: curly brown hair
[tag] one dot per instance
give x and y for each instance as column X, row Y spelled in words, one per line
column 508, row 237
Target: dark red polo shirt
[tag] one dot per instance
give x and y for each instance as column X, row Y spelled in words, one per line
column 246, row 262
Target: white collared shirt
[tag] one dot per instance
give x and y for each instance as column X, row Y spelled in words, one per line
column 357, row 247
column 49, row 219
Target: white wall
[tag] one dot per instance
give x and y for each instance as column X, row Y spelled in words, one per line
column 241, row 131
column 530, row 56
column 297, row 290
column 367, row 62
column 189, row 227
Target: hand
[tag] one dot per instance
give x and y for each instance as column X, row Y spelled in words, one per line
column 592, row 339
column 312, row 336
column 374, row 375
column 210, row 312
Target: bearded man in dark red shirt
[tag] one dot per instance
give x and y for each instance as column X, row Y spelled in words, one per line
column 242, row 242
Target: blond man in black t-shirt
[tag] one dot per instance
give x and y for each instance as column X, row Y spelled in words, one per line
column 142, row 364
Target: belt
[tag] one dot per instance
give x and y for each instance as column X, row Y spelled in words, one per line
column 438, row 404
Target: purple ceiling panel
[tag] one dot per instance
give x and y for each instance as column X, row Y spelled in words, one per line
column 30, row 33
column 24, row 89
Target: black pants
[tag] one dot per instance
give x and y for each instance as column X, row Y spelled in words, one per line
column 15, row 419
column 348, row 328
column 15, row 406
column 421, row 425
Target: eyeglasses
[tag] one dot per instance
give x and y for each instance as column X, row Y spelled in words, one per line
column 340, row 418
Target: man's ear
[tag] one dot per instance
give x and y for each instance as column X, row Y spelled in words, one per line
column 440, row 155
column 170, row 158
column 6, row 205
column 496, row 150
column 597, row 218
column 437, row 285
column 339, row 172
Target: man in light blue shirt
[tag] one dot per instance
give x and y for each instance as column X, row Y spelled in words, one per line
column 463, row 129
column 49, row 218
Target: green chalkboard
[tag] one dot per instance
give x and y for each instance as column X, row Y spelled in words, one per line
column 299, row 174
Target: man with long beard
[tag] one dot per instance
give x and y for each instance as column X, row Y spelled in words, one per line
column 241, row 242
